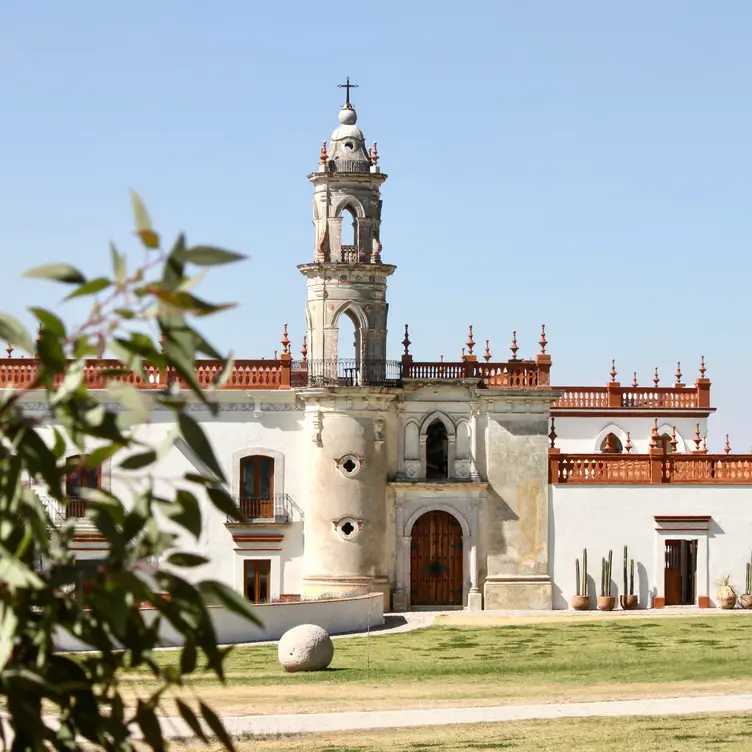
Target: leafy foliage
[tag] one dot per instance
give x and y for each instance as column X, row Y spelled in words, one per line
column 44, row 591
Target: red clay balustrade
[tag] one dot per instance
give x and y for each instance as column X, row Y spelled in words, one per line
column 648, row 469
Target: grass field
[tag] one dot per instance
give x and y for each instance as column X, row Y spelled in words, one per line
column 445, row 666
column 650, row 734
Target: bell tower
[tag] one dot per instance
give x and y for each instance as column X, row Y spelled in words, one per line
column 350, row 387
column 347, row 278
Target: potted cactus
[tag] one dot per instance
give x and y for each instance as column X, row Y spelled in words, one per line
column 581, row 601
column 726, row 594
column 746, row 599
column 606, row 601
column 628, row 598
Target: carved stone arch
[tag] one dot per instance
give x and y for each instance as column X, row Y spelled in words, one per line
column 667, row 430
column 462, row 427
column 351, row 203
column 443, row 417
column 620, row 434
column 466, row 531
column 355, row 311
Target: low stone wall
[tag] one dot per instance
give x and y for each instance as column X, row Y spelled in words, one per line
column 336, row 616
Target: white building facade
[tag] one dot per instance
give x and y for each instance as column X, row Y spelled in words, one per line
column 473, row 484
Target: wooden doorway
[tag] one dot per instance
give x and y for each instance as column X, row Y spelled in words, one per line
column 680, row 573
column 436, row 561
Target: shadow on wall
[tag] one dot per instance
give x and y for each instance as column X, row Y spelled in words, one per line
column 644, row 591
column 497, row 513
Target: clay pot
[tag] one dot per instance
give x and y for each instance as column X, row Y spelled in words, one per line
column 628, row 602
column 580, row 602
column 746, row 601
column 606, row 602
column 726, row 601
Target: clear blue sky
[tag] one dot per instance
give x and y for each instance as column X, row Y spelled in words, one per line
column 579, row 164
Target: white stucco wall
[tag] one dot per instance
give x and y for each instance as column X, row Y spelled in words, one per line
column 600, row 518
column 339, row 616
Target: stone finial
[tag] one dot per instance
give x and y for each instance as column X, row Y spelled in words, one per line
column 374, row 154
column 543, row 341
column 613, row 370
column 552, row 433
column 608, row 447
column 727, row 448
column 304, row 349
column 470, row 341
column 634, row 380
column 674, row 442
column 697, row 438
column 705, row 444
column 487, row 354
column 654, row 437
column 678, row 374
column 275, row 355
column 703, row 370
column 406, row 342
column 39, row 333
column 463, row 353
column 513, row 347
column 285, row 342
column 162, row 342
column 628, row 445
column 323, row 156
column 656, row 379
column 9, row 350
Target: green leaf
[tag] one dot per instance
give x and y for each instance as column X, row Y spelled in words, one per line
column 213, row 722
column 50, row 321
column 132, row 400
column 223, row 501
column 8, row 624
column 137, row 461
column 185, row 559
column 92, row 287
column 206, row 255
column 119, row 269
column 15, row 333
column 14, row 573
column 59, row 447
column 149, row 723
column 217, row 592
column 184, row 511
column 195, row 437
column 187, row 714
column 149, row 238
column 58, row 272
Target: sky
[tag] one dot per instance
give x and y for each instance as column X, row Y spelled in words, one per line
column 586, row 165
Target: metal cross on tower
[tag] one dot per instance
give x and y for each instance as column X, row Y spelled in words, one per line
column 347, row 86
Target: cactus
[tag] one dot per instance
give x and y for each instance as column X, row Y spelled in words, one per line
column 631, row 576
column 608, row 573
column 624, row 590
column 584, row 572
column 749, row 578
column 577, row 575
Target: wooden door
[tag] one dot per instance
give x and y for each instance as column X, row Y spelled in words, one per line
column 672, row 585
column 436, row 561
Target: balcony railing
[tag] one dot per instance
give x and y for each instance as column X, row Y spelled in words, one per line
column 326, row 373
column 273, row 509
column 648, row 469
column 615, row 396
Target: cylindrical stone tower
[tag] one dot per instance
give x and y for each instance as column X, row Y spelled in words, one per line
column 348, row 400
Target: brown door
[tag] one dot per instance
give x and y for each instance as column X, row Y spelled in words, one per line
column 436, row 561
column 672, row 586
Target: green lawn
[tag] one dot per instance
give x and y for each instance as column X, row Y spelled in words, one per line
column 637, row 651
column 650, row 734
column 446, row 666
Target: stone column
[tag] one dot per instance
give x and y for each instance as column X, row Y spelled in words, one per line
column 423, row 458
column 451, row 456
column 400, row 599
column 474, row 597
column 474, row 411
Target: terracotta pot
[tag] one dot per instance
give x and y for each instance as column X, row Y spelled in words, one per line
column 726, row 601
column 745, row 601
column 580, row 602
column 606, row 602
column 628, row 602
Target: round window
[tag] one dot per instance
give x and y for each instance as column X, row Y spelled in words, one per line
column 349, row 465
column 348, row 528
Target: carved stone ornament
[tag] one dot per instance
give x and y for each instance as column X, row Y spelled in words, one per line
column 378, row 431
column 318, row 427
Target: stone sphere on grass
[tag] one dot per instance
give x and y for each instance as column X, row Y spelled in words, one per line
column 305, row 648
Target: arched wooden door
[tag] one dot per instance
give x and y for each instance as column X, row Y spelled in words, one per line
column 436, row 561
